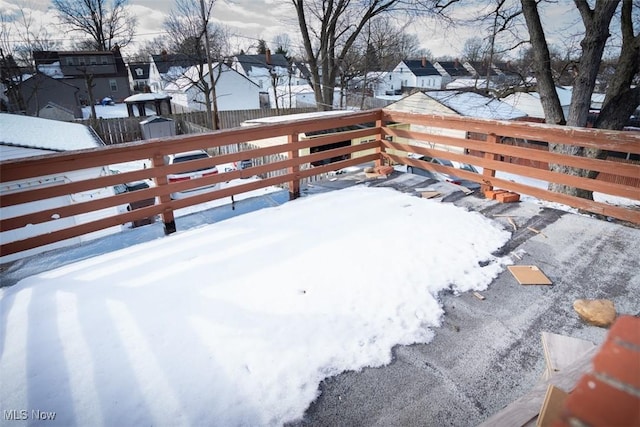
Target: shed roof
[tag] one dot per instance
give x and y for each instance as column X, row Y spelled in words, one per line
column 472, row 104
column 44, row 134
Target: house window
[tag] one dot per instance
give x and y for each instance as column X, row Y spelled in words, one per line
column 105, row 60
column 422, row 83
column 81, row 61
column 69, row 60
column 390, row 76
column 93, row 60
column 139, row 72
column 114, row 85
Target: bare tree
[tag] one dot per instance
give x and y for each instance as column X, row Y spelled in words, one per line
column 329, row 29
column 105, row 23
column 192, row 33
column 621, row 98
column 474, row 49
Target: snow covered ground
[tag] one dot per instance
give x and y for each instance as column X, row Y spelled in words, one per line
column 236, row 323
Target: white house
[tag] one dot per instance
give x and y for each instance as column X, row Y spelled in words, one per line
column 233, row 90
column 25, row 136
column 166, row 68
column 415, row 73
column 264, row 69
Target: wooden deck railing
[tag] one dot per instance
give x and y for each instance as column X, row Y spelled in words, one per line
column 378, row 149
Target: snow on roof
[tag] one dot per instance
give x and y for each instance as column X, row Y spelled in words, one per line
column 147, row 97
column 44, row 134
column 52, row 70
column 471, row 104
column 529, row 102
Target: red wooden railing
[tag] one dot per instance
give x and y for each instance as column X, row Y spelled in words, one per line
column 405, row 136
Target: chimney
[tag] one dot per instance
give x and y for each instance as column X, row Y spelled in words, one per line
column 267, row 56
column 456, row 63
column 424, row 62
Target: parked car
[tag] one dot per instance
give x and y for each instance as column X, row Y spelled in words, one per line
column 135, row 186
column 192, row 174
column 244, row 164
column 445, row 176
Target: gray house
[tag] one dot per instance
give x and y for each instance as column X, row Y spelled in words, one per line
column 39, row 90
column 105, row 71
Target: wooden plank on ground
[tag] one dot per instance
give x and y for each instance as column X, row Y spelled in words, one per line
column 430, row 194
column 561, row 351
column 526, row 408
column 529, row 275
column 551, row 406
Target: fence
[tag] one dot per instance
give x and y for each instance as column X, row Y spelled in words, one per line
column 119, row 130
column 384, row 144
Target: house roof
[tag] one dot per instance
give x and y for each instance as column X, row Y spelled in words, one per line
column 51, row 58
column 44, row 134
column 472, row 104
column 469, row 104
column 144, row 70
column 481, row 68
column 165, row 61
column 249, row 62
column 454, row 68
column 191, row 76
column 530, row 103
column 421, row 67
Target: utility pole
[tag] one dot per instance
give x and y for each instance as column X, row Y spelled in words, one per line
column 212, row 79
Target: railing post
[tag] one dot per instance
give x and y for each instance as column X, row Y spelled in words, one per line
column 161, row 180
column 492, row 138
column 379, row 138
column 294, row 185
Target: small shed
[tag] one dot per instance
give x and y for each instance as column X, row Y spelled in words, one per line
column 157, row 127
column 160, row 102
column 24, row 136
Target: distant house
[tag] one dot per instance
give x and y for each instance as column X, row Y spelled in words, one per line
column 298, row 96
column 24, row 136
column 451, row 70
column 263, row 69
column 467, row 104
column 415, row 74
column 167, row 68
column 233, row 90
column 138, row 76
column 40, row 90
column 104, row 70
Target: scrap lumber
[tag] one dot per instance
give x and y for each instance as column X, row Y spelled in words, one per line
column 479, row 296
column 430, row 194
column 529, row 275
column 537, row 231
column 526, row 408
column 561, row 351
column 551, row 406
column 513, row 224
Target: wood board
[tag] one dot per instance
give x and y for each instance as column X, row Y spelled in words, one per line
column 430, row 194
column 551, row 406
column 529, row 275
column 561, row 351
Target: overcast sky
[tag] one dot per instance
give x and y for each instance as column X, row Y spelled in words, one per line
column 251, row 20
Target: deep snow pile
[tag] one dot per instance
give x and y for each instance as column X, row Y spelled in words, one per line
column 236, row 323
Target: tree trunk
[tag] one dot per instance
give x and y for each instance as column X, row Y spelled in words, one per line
column 596, row 23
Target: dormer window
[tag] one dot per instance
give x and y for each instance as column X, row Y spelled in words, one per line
column 139, row 72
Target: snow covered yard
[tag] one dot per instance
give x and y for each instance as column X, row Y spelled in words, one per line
column 236, row 323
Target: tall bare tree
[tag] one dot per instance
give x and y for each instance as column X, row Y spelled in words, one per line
column 192, row 33
column 621, row 98
column 105, row 23
column 329, row 29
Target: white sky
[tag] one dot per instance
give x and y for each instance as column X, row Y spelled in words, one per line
column 237, row 323
column 251, row 20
